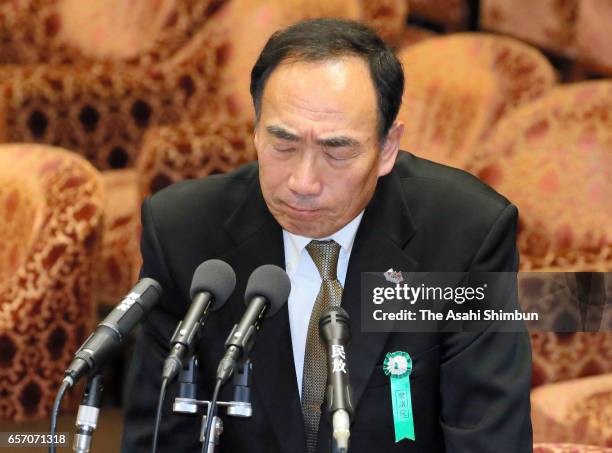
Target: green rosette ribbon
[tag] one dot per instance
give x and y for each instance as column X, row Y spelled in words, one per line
column 398, row 366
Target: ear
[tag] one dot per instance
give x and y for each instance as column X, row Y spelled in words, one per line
column 390, row 148
column 256, row 137
column 255, row 134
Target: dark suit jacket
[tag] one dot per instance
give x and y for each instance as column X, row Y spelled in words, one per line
column 470, row 390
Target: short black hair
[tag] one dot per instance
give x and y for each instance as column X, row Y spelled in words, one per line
column 323, row 39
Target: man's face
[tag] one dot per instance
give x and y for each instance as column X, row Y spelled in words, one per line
column 317, row 144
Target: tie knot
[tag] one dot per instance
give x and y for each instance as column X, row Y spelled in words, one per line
column 325, row 256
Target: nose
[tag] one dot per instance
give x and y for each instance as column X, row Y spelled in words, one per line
column 305, row 179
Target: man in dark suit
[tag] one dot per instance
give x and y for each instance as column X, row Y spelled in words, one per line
column 326, row 95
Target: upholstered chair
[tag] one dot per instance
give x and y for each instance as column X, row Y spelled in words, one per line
column 193, row 150
column 548, row 24
column 101, row 104
column 140, row 33
column 568, row 448
column 51, row 203
column 593, row 43
column 457, row 88
column 553, row 159
column 102, row 115
column 577, row 29
column 387, row 17
column 452, row 15
column 574, row 411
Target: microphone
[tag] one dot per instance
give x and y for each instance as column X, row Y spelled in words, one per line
column 212, row 284
column 113, row 329
column 335, row 329
column 267, row 290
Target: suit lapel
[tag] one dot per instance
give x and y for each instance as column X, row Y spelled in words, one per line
column 385, row 229
column 259, row 241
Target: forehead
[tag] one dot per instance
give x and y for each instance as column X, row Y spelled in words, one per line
column 337, row 91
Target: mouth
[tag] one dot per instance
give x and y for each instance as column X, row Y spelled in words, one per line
column 299, row 211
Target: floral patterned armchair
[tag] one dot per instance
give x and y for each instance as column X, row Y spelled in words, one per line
column 139, row 33
column 51, row 210
column 458, row 86
column 553, row 159
column 576, row 29
column 453, row 15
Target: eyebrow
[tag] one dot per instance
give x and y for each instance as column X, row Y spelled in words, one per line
column 283, row 134
column 337, row 142
column 331, row 142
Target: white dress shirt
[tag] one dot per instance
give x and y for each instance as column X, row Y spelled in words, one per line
column 306, row 283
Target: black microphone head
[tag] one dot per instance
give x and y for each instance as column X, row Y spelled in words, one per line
column 216, row 277
column 271, row 282
column 335, row 323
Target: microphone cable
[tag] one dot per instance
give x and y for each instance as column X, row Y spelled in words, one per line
column 158, row 414
column 66, row 384
column 212, row 410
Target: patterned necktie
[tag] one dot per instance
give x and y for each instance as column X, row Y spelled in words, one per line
column 325, row 256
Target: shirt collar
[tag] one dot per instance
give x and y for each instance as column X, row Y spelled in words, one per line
column 344, row 236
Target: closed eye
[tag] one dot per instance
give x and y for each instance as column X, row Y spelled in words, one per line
column 340, row 154
column 284, row 150
column 339, row 158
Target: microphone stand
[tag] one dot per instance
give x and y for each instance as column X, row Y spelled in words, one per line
column 187, row 403
column 87, row 417
column 188, row 380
